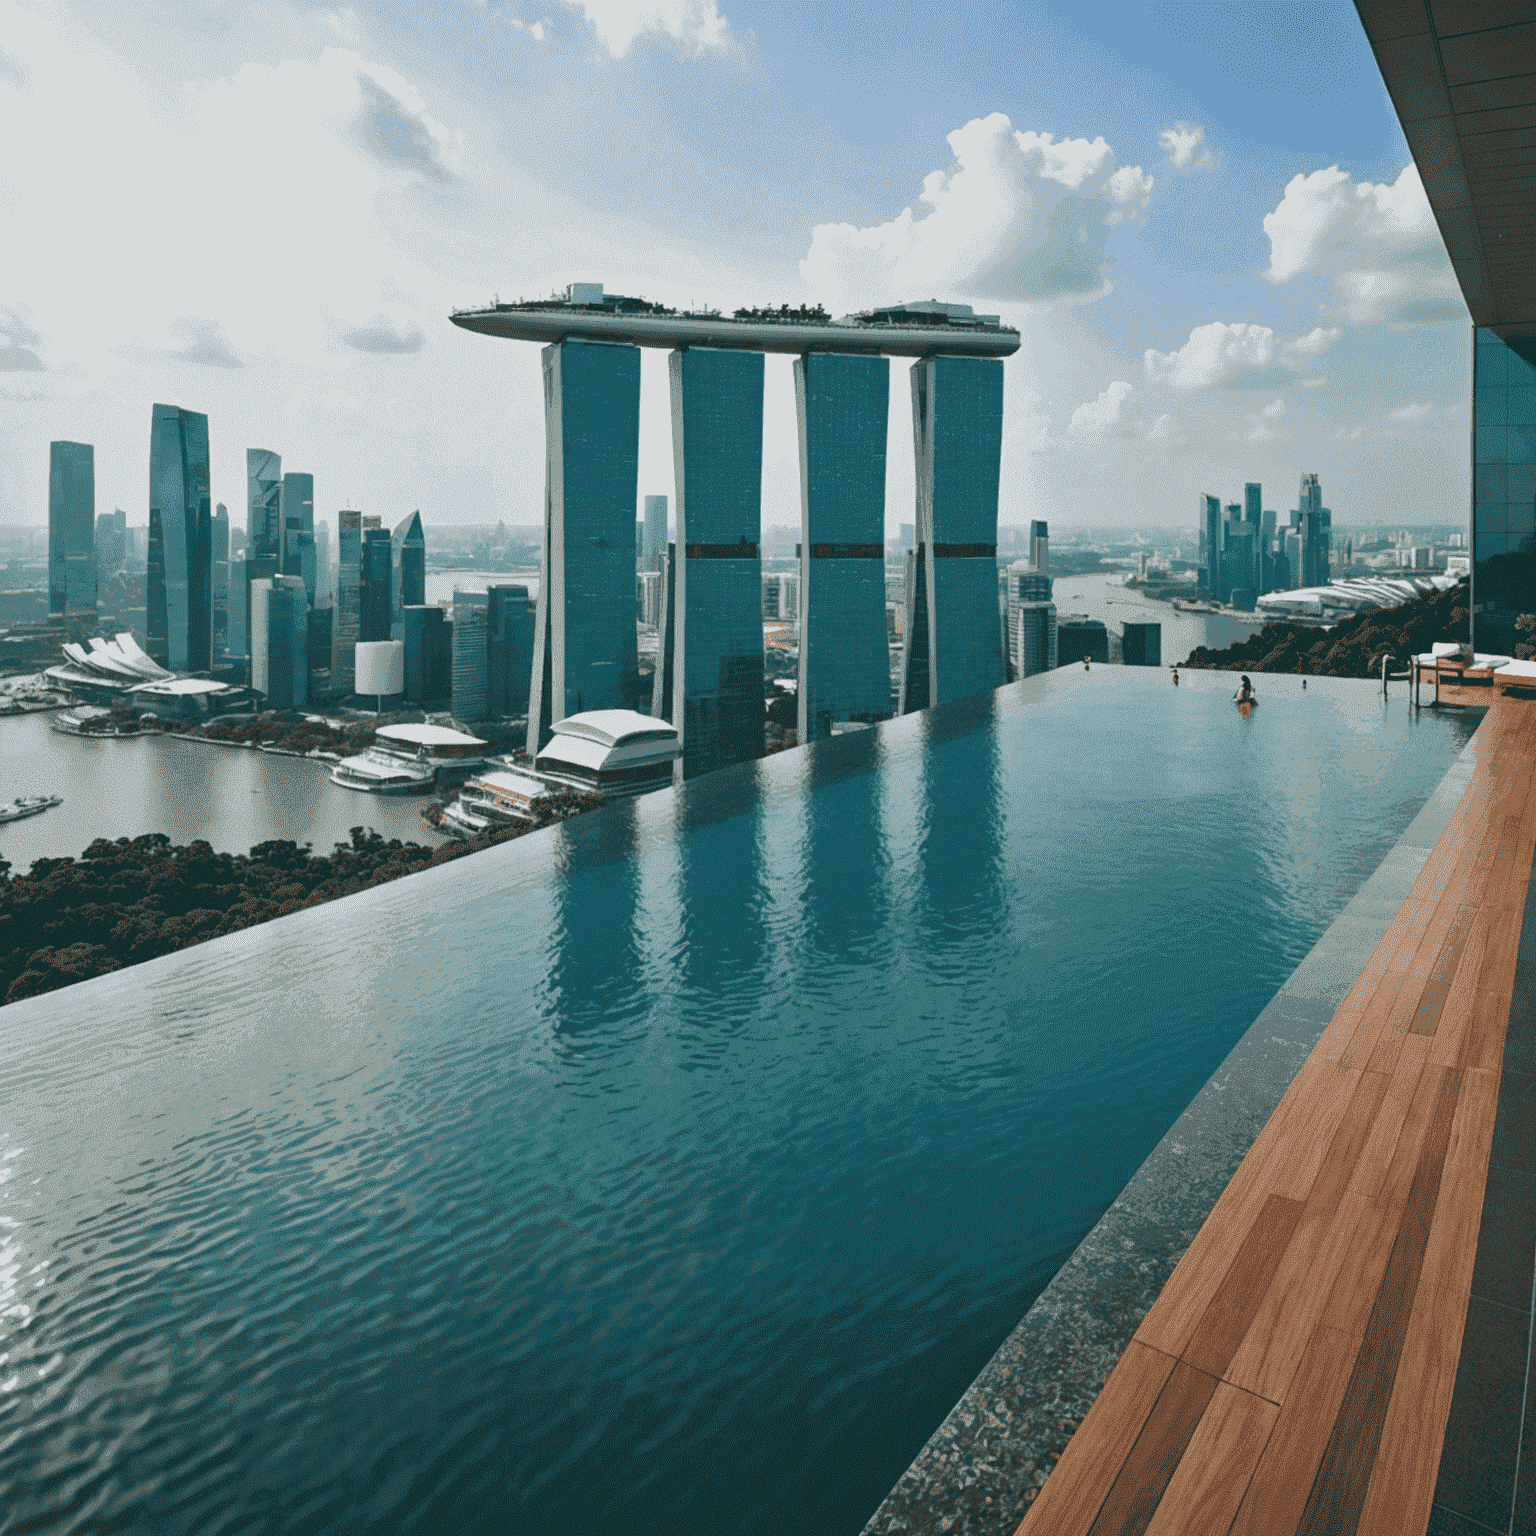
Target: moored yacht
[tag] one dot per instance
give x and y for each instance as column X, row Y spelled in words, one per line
column 410, row 760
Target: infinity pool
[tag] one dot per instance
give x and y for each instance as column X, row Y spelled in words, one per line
column 673, row 1171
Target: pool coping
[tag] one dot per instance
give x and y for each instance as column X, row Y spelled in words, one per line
column 981, row 1468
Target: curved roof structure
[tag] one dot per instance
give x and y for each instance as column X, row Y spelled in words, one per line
column 427, row 736
column 906, row 330
column 613, row 727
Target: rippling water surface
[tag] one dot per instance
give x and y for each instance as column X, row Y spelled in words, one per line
column 673, row 1171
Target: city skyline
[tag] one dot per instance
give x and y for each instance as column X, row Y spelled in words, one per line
column 1233, row 304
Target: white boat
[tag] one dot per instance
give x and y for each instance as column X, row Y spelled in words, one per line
column 28, row 805
column 409, row 760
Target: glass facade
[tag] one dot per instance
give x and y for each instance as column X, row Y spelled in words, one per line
column 288, row 643
column 509, row 651
column 428, row 653
column 264, row 503
column 299, row 530
column 72, row 529
column 655, row 545
column 584, row 651
column 957, row 430
column 349, row 576
column 1503, row 494
column 408, row 572
column 374, row 600
column 471, row 615
column 717, row 448
column 179, row 584
column 666, row 637
column 842, row 404
column 219, row 530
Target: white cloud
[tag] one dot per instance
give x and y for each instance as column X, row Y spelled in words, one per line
column 1183, row 144
column 1236, row 356
column 696, row 26
column 1017, row 216
column 1095, row 418
column 1410, row 412
column 1378, row 243
column 1348, row 434
column 18, row 340
column 1264, row 425
column 1164, row 426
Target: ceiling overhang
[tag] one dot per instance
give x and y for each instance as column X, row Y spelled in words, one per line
column 1462, row 76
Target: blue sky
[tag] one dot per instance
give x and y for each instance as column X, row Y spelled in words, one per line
column 265, row 212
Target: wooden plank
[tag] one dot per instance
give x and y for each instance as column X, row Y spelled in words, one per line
column 1338, row 1494
column 1402, row 1482
column 1477, row 1108
column 1400, row 1102
column 1139, row 1489
column 1075, row 1491
column 1426, row 1017
column 1312, row 1131
column 1373, row 1231
column 1275, row 1498
column 1203, row 1496
column 1237, row 1298
column 1285, row 1318
column 1456, row 1019
column 1451, row 1253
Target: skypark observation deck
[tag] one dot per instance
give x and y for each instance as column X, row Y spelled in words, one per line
column 908, row 330
column 584, row 652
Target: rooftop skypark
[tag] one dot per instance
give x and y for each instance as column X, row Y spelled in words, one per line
column 585, row 312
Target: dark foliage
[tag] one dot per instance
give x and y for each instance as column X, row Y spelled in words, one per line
column 1353, row 648
column 130, row 900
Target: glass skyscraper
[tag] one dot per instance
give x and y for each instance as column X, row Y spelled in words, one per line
column 584, row 648
column 180, row 565
column 299, row 530
column 509, row 650
column 220, row 537
column 666, row 637
column 288, row 643
column 349, row 599
column 374, row 608
column 843, row 404
column 428, row 654
column 471, row 617
column 655, row 545
column 957, row 428
column 408, row 572
column 717, row 449
column 1503, row 493
column 72, row 529
column 264, row 504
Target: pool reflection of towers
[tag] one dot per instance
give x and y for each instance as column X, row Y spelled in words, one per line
column 710, row 660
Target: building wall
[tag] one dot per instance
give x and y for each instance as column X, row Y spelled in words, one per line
column 374, row 600
column 655, row 546
column 842, row 404
column 957, row 423
column 264, row 503
column 1142, row 645
column 72, row 529
column 584, row 650
column 261, row 610
column 428, row 658
column 1503, row 494
column 471, row 614
column 509, row 650
column 288, row 644
column 349, row 601
column 717, row 449
column 299, row 530
column 180, row 565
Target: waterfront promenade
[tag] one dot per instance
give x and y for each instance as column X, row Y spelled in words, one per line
column 1344, row 1347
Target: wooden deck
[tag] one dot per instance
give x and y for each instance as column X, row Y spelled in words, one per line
column 1295, row 1374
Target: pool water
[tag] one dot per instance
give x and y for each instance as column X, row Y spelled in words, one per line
column 674, row 1170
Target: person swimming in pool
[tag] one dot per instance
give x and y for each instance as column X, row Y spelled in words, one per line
column 1244, row 694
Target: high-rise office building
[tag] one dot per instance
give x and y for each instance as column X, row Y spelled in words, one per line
column 180, row 576
column 1141, row 645
column 288, row 643
column 717, row 448
column 219, row 534
column 374, row 606
column 299, row 529
column 237, row 633
column 584, row 648
column 471, row 659
column 1032, row 639
column 264, row 505
column 408, row 571
column 1314, row 565
column 654, row 545
column 957, row 425
column 428, row 654
column 1040, row 545
column 260, row 590
column 1079, row 638
column 509, row 645
column 1210, row 546
column 843, row 403
column 72, row 530
column 323, row 584
column 349, row 601
column 666, row 637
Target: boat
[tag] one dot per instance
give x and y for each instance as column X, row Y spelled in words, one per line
column 28, row 805
column 410, row 760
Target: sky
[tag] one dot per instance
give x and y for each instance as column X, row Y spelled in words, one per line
column 1202, row 218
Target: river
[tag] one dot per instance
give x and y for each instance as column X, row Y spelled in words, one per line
column 234, row 798
column 1102, row 597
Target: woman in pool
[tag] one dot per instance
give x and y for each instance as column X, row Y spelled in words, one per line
column 1245, row 693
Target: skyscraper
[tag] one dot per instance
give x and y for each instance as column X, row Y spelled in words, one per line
column 349, row 601
column 237, row 634
column 655, row 545
column 666, row 637
column 264, row 505
column 1314, row 563
column 1040, row 546
column 471, row 615
column 323, row 588
column 717, row 449
column 72, row 530
column 180, row 574
column 957, row 427
column 219, row 531
column 1032, row 640
column 842, row 402
column 374, row 614
column 1504, row 492
column 408, row 571
column 509, row 648
column 428, row 654
column 299, row 529
column 1210, row 545
column 288, row 643
column 584, row 647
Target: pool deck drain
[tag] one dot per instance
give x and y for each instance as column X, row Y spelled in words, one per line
column 1340, row 1342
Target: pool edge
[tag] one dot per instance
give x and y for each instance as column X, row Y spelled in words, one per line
column 980, row 1468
